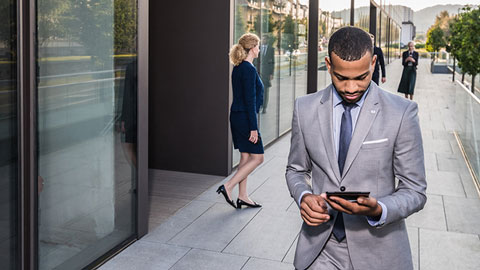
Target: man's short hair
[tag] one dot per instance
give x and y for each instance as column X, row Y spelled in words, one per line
column 350, row 43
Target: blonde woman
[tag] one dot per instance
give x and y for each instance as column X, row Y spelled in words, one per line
column 247, row 99
column 409, row 74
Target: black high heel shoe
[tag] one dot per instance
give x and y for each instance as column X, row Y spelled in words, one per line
column 221, row 189
column 240, row 203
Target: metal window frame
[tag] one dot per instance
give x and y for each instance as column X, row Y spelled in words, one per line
column 27, row 128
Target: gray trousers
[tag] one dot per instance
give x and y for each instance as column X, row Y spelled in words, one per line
column 334, row 256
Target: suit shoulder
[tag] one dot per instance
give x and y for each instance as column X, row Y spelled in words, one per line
column 311, row 98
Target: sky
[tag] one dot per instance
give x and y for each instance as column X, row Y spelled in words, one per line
column 330, row 5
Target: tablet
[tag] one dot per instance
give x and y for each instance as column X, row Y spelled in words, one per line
column 350, row 195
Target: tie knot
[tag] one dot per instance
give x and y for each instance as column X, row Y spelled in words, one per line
column 348, row 106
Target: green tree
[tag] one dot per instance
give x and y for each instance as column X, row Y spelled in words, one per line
column 464, row 42
column 288, row 34
column 53, row 20
column 8, row 26
column 268, row 24
column 125, row 28
column 240, row 25
column 435, row 39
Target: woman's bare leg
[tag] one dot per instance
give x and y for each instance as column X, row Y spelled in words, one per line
column 252, row 162
column 229, row 185
column 242, row 186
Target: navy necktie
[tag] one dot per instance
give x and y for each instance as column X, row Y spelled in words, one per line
column 344, row 143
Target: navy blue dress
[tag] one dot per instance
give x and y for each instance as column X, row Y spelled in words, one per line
column 247, row 99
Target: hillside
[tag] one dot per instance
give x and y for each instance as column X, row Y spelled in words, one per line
column 424, row 18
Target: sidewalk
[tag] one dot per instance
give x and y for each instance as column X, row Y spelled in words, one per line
column 209, row 234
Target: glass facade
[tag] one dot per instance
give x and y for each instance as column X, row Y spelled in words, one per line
column 8, row 136
column 87, row 129
column 362, row 14
column 283, row 27
column 331, row 17
column 282, row 62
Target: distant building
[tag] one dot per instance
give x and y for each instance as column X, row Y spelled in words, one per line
column 405, row 15
column 408, row 33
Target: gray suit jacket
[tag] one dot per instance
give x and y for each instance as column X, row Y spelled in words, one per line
column 386, row 145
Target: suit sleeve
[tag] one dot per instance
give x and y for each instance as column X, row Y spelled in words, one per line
column 299, row 166
column 409, row 169
column 249, row 96
column 382, row 62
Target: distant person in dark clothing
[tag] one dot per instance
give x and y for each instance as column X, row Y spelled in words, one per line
column 267, row 67
column 380, row 61
column 128, row 118
column 409, row 74
column 247, row 100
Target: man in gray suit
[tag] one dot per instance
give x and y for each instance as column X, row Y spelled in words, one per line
column 354, row 136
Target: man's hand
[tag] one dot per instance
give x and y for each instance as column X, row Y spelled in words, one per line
column 365, row 206
column 314, row 210
column 384, row 79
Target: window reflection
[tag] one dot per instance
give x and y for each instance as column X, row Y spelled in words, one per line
column 332, row 16
column 8, row 135
column 87, row 98
column 282, row 63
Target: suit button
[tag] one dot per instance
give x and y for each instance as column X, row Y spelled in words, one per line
column 342, row 188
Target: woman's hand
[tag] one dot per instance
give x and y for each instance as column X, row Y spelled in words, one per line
column 253, row 136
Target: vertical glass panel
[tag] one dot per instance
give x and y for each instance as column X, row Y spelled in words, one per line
column 362, row 14
column 301, row 57
column 266, row 25
column 378, row 36
column 288, row 53
column 332, row 15
column 87, row 104
column 384, row 33
column 8, row 135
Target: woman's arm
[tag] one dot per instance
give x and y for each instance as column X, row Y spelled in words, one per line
column 249, row 96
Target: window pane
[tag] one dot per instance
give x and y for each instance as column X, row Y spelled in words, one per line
column 87, row 104
column 362, row 14
column 331, row 17
column 8, row 135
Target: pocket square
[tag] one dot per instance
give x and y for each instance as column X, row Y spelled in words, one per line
column 376, row 141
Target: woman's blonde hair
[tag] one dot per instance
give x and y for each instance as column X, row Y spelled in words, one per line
column 239, row 51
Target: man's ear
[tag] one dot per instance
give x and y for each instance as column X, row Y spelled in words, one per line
column 327, row 62
column 374, row 60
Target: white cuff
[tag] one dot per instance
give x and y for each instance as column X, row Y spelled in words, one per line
column 383, row 218
column 301, row 196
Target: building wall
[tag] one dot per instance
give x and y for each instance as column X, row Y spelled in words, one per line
column 189, row 86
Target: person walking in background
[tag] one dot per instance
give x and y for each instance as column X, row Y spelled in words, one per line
column 267, row 67
column 354, row 136
column 247, row 99
column 380, row 62
column 409, row 74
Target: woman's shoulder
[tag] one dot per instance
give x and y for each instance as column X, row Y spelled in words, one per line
column 246, row 66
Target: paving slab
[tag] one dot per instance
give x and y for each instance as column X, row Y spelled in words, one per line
column 463, row 214
column 433, row 211
column 143, row 255
column 448, row 250
column 178, row 222
column 269, row 235
column 215, row 229
column 255, row 264
column 445, row 183
column 209, row 260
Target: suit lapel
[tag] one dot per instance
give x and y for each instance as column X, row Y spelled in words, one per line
column 325, row 120
column 368, row 113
